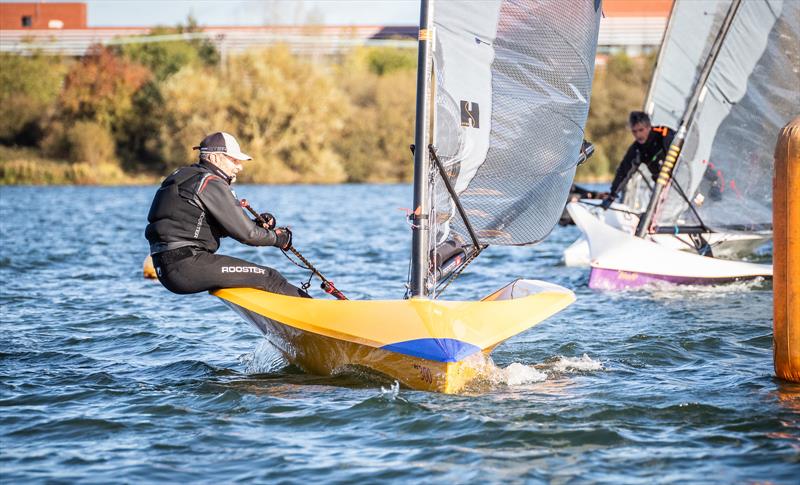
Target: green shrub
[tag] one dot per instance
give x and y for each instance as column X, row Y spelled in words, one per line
column 82, row 142
column 195, row 103
column 54, row 144
column 90, row 142
column 385, row 60
column 28, row 88
column 162, row 58
column 138, row 130
column 165, row 58
column 380, row 126
column 284, row 111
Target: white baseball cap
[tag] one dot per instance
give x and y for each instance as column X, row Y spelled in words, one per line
column 221, row 142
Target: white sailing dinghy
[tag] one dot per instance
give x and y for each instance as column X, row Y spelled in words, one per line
column 722, row 156
column 687, row 40
column 502, row 99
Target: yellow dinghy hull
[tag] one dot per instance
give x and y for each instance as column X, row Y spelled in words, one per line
column 430, row 345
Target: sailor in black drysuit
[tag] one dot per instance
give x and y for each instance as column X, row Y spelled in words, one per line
column 650, row 147
column 195, row 207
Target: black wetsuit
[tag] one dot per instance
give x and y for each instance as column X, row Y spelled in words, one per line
column 191, row 211
column 652, row 152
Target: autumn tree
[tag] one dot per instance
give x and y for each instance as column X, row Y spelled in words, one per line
column 101, row 86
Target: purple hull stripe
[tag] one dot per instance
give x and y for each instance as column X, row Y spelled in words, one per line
column 612, row 279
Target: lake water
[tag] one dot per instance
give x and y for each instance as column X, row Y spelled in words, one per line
column 107, row 377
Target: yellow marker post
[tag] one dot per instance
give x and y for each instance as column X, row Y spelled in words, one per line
column 786, row 253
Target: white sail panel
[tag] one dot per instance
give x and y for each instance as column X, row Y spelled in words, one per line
column 462, row 50
column 753, row 90
column 513, row 80
column 463, row 56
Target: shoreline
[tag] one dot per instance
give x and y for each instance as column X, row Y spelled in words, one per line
column 142, row 180
column 26, row 167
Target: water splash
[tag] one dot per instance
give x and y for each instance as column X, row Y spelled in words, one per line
column 265, row 358
column 392, row 393
column 517, row 374
column 670, row 291
column 576, row 364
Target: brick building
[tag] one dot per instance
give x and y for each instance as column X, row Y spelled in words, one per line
column 42, row 16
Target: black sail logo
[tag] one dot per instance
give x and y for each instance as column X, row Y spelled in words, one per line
column 470, row 114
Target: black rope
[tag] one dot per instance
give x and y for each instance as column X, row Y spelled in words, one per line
column 680, row 191
column 644, row 177
column 296, row 263
column 611, row 208
column 307, row 284
column 700, row 245
column 326, row 285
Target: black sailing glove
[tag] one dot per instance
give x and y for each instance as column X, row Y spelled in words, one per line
column 270, row 220
column 283, row 238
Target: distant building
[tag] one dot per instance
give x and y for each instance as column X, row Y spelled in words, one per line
column 631, row 26
column 42, row 16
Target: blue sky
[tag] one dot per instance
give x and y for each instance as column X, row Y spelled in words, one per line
column 252, row 12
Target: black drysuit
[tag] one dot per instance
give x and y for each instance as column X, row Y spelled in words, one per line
column 652, row 152
column 191, row 211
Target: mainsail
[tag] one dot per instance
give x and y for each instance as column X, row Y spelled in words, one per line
column 510, row 98
column 753, row 89
column 692, row 27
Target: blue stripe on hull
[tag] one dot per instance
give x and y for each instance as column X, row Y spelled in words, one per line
column 436, row 349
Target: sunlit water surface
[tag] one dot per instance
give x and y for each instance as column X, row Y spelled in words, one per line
column 107, row 377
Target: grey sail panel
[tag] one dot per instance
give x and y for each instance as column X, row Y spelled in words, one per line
column 513, row 80
column 752, row 91
column 692, row 27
